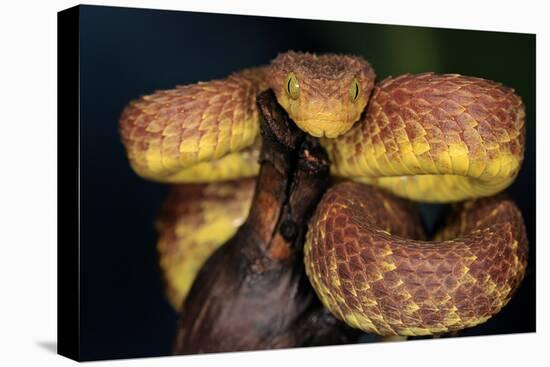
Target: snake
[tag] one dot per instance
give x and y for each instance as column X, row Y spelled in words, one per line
column 439, row 138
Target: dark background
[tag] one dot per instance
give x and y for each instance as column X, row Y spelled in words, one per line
column 126, row 53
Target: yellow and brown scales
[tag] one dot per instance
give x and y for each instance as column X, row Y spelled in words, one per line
column 426, row 137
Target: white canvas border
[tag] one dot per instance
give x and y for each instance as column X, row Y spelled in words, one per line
column 28, row 260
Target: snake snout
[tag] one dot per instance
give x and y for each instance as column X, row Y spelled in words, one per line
column 331, row 118
column 322, row 127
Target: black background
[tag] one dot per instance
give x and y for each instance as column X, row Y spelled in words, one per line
column 126, row 53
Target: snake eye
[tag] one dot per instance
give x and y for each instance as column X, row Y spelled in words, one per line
column 292, row 86
column 354, row 90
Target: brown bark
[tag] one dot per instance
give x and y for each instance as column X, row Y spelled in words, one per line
column 253, row 293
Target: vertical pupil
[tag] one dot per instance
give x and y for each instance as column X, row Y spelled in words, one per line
column 356, row 91
column 288, row 84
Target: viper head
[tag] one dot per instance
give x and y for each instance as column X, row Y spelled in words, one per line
column 323, row 94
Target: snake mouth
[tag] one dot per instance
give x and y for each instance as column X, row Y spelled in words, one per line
column 328, row 128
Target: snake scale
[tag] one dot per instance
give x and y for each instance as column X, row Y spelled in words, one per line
column 425, row 137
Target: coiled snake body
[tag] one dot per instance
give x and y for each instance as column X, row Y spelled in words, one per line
column 425, row 137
